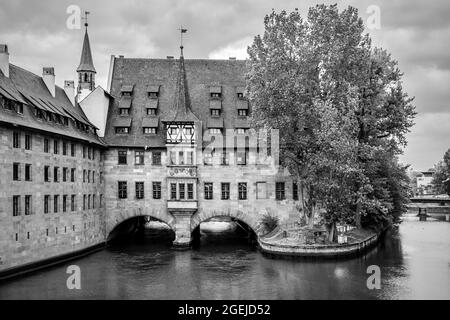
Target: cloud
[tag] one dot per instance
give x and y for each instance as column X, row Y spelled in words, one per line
column 416, row 32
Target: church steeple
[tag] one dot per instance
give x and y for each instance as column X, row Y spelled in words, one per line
column 86, row 70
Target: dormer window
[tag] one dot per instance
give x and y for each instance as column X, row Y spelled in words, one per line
column 242, row 112
column 123, row 111
column 126, row 94
column 153, row 91
column 215, row 131
column 151, row 112
column 122, row 130
column 215, row 92
column 149, row 130
column 240, row 95
column 215, row 112
column 126, row 90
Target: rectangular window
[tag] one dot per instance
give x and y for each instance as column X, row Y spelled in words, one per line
column 55, row 203
column 56, row 147
column 28, row 173
column 89, row 202
column 72, row 175
column 84, row 175
column 208, row 190
column 139, row 157
column 294, row 191
column 182, row 191
column 72, row 149
column 190, row 191
column 93, row 176
column 173, row 191
column 27, row 205
column 47, row 173
column 181, row 157
column 242, row 190
column 242, row 112
column 156, row 158
column 72, row 202
column 16, row 171
column 28, row 142
column 225, row 158
column 151, row 111
column 122, row 157
column 216, row 94
column 156, row 190
column 64, row 203
column 65, row 174
column 84, row 202
column 279, row 191
column 123, row 111
column 46, row 146
column 240, row 131
column 225, row 191
column 215, row 112
column 46, row 203
column 122, row 189
column 88, row 176
column 241, row 157
column 101, row 201
column 215, row 131
column 64, row 144
column 16, row 206
column 93, row 201
column 122, row 129
column 84, row 152
column 189, row 157
column 148, row 130
column 172, row 157
column 16, row 140
column 261, row 190
column 139, row 190
column 55, row 174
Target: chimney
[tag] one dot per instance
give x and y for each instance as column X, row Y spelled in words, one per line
column 69, row 89
column 48, row 75
column 4, row 60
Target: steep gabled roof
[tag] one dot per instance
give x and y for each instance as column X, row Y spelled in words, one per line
column 32, row 91
column 86, row 63
column 200, row 76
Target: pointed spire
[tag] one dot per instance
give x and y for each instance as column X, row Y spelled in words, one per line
column 86, row 63
column 181, row 109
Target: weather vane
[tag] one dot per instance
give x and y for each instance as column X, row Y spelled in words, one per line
column 182, row 30
column 86, row 18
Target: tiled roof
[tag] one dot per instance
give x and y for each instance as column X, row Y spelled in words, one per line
column 150, row 122
column 30, row 89
column 202, row 76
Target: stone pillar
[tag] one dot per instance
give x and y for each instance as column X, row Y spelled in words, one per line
column 182, row 229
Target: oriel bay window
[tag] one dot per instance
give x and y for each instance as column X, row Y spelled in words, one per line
column 190, row 191
column 182, row 191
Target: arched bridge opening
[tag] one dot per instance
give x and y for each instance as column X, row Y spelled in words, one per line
column 223, row 230
column 143, row 228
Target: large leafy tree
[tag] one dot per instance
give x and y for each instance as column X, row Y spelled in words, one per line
column 309, row 76
column 441, row 178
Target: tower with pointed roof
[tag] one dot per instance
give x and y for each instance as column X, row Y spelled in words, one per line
column 86, row 70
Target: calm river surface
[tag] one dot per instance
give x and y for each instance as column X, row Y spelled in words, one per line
column 414, row 263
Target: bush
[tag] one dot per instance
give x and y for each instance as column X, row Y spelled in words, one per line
column 269, row 222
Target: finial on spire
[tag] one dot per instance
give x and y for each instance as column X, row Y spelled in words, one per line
column 86, row 18
column 182, row 30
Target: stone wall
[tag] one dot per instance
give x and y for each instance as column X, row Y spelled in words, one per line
column 23, row 238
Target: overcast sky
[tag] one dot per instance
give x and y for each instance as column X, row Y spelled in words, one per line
column 416, row 32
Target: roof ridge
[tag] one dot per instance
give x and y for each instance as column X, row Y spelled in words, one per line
column 33, row 74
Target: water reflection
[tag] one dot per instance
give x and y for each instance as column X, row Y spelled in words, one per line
column 414, row 262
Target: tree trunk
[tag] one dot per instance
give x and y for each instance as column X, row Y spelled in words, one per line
column 332, row 233
column 358, row 216
column 312, row 213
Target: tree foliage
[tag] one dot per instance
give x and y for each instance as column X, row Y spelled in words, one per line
column 441, row 178
column 341, row 108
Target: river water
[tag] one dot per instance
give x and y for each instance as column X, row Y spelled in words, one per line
column 414, row 262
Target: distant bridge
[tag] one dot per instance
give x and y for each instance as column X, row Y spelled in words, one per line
column 431, row 206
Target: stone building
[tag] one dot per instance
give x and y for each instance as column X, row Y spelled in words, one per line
column 170, row 140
